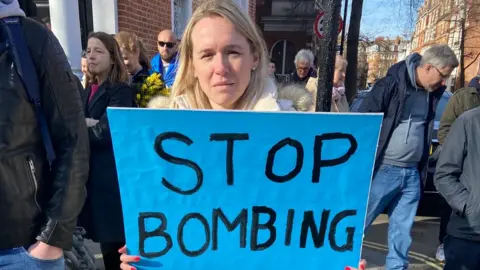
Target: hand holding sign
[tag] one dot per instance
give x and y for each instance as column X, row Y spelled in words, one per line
column 243, row 190
column 126, row 259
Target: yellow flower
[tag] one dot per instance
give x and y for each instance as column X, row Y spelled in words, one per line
column 153, row 86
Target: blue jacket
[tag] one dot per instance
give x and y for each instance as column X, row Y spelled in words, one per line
column 475, row 82
column 157, row 66
column 388, row 96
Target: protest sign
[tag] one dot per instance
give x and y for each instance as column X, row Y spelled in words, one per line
column 243, row 190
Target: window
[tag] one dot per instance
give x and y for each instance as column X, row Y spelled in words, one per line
column 283, row 53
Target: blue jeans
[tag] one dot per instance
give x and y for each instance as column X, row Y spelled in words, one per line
column 20, row 259
column 397, row 190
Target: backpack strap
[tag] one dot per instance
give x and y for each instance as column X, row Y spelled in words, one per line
column 28, row 75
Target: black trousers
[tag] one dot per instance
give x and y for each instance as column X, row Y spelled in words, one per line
column 461, row 254
column 111, row 256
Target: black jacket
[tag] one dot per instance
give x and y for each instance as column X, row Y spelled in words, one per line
column 37, row 203
column 457, row 175
column 388, row 96
column 102, row 214
column 138, row 79
column 295, row 79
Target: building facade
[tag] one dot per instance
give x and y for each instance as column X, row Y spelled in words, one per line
column 73, row 20
column 381, row 55
column 452, row 22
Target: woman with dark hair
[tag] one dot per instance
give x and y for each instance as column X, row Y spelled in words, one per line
column 106, row 87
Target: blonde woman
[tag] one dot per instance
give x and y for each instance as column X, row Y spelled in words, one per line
column 339, row 100
column 223, row 63
column 223, row 66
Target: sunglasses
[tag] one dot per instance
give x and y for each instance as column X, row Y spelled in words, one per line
column 169, row 44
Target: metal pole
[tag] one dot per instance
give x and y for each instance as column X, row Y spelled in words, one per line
column 344, row 26
column 327, row 53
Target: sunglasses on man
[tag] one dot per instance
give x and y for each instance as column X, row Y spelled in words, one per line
column 168, row 44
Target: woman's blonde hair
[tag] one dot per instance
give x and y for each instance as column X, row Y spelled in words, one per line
column 133, row 44
column 340, row 63
column 186, row 84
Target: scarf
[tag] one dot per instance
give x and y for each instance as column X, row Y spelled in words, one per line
column 337, row 93
column 10, row 8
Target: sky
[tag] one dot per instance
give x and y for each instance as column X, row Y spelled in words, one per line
column 389, row 18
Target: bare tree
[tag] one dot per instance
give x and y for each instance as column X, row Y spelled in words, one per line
column 466, row 19
column 401, row 6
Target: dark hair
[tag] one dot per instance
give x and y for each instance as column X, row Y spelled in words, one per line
column 118, row 72
column 273, row 61
column 84, row 54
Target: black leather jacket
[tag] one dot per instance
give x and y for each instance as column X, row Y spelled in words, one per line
column 38, row 203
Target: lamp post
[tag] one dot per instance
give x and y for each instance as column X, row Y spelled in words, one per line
column 327, row 51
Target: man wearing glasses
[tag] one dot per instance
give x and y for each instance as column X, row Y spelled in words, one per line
column 303, row 67
column 407, row 97
column 165, row 61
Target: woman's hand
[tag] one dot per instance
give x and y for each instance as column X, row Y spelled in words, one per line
column 126, row 259
column 91, row 122
column 361, row 266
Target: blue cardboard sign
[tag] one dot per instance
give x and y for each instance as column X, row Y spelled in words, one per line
column 244, row 190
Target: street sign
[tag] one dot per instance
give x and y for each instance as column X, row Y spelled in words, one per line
column 318, row 25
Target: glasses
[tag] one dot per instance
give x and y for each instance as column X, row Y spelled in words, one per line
column 441, row 74
column 305, row 69
column 168, row 44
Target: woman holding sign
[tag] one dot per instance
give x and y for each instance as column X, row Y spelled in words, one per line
column 102, row 213
column 223, row 66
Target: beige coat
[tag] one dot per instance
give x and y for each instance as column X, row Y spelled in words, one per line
column 339, row 106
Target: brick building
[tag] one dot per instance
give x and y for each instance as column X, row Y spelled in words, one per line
column 381, row 55
column 73, row 20
column 450, row 22
column 150, row 17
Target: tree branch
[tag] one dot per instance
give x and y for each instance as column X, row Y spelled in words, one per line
column 473, row 61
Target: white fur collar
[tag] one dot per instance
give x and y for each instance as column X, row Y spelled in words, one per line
column 266, row 102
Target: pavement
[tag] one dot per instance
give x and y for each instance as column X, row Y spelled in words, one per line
column 422, row 252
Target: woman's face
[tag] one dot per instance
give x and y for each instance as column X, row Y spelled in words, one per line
column 339, row 76
column 222, row 61
column 98, row 57
column 131, row 61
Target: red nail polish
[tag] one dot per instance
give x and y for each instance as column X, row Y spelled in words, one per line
column 348, row 268
column 137, row 259
column 133, row 268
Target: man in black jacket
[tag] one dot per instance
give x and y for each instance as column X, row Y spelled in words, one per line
column 39, row 202
column 457, row 179
column 407, row 96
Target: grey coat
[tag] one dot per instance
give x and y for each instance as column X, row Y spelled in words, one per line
column 457, row 176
